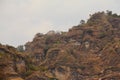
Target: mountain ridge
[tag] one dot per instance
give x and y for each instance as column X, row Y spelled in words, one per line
column 88, row 51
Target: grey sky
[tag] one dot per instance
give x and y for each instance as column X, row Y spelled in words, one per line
column 20, row 20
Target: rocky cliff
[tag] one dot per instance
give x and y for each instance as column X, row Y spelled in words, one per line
column 88, row 51
column 12, row 64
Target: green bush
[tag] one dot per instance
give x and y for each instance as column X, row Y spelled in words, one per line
column 29, row 72
column 102, row 35
column 33, row 68
column 82, row 67
column 43, row 68
column 1, row 55
column 57, row 42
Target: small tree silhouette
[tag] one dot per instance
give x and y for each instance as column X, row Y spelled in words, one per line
column 20, row 48
column 82, row 22
column 109, row 12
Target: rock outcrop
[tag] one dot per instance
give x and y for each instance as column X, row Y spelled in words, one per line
column 11, row 63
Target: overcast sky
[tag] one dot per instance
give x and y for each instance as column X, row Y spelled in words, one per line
column 20, row 20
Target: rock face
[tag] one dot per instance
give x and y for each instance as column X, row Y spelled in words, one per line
column 89, row 51
column 9, row 66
